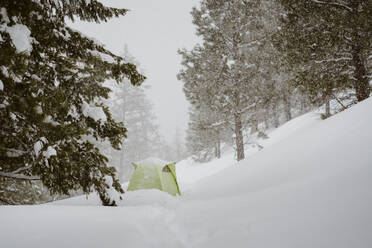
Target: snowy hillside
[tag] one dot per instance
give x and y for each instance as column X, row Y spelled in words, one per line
column 190, row 172
column 308, row 187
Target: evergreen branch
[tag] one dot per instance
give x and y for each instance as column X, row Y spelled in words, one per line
column 5, row 201
column 246, row 109
column 338, row 100
column 15, row 152
column 19, row 176
column 340, row 5
column 22, row 169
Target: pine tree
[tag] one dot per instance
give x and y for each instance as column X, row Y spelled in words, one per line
column 328, row 44
column 130, row 105
column 143, row 135
column 231, row 70
column 206, row 133
column 51, row 96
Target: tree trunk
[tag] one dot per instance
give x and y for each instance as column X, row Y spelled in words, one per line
column 327, row 107
column 362, row 87
column 276, row 116
column 218, row 148
column 254, row 126
column 304, row 106
column 266, row 119
column 239, row 136
column 287, row 107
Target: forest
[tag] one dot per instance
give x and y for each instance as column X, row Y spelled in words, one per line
column 265, row 62
column 275, row 153
column 64, row 97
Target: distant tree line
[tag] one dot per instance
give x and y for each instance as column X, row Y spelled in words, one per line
column 130, row 105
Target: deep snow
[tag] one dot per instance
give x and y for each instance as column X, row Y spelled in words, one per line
column 308, row 187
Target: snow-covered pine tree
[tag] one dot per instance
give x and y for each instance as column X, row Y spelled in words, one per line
column 199, row 77
column 143, row 135
column 51, row 83
column 177, row 150
column 328, row 44
column 206, row 133
column 231, row 70
column 214, row 83
column 129, row 104
column 278, row 97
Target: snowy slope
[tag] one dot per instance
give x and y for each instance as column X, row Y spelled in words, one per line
column 311, row 189
column 189, row 172
column 308, row 187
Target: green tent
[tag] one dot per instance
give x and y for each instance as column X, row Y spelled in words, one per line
column 153, row 173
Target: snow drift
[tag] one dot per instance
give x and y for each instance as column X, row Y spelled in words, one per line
column 310, row 188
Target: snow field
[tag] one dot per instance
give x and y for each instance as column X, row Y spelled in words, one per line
column 308, row 187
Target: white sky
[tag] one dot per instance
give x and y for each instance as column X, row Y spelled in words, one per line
column 153, row 31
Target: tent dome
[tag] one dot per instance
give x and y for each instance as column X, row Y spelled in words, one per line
column 154, row 173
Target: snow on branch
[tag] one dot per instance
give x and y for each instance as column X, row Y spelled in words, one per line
column 243, row 110
column 216, row 124
column 332, row 60
column 19, row 34
column 333, row 4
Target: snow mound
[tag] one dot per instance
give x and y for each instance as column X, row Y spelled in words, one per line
column 83, row 200
column 310, row 188
column 152, row 197
column 189, row 172
column 293, row 127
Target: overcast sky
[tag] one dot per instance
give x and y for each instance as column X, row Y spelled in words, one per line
column 153, row 31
